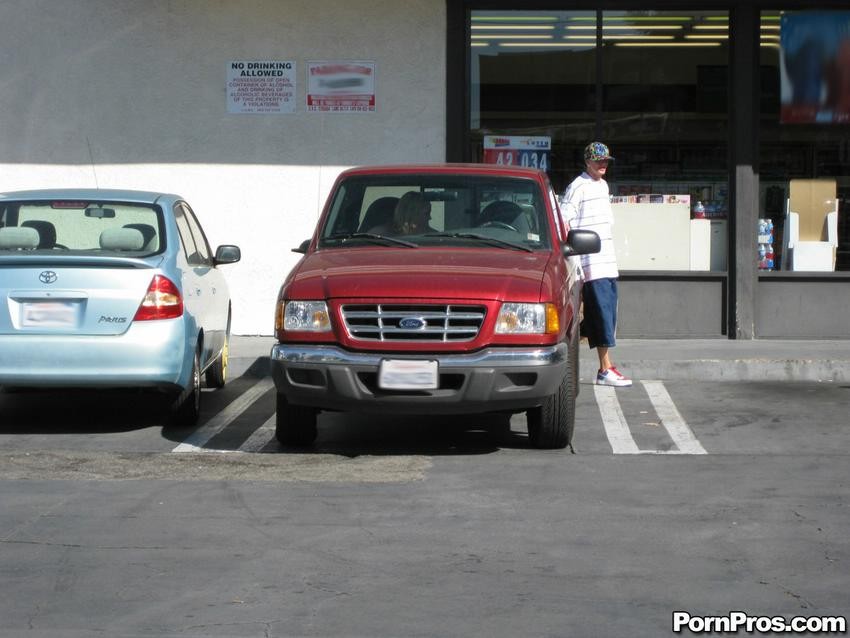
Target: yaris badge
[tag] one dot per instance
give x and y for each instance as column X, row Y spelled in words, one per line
column 47, row 277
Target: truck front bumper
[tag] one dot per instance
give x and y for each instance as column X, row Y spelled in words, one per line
column 491, row 380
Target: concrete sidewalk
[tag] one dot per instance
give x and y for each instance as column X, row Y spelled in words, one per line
column 728, row 360
column 664, row 359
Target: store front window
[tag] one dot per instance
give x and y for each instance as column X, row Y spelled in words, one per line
column 804, row 152
column 650, row 84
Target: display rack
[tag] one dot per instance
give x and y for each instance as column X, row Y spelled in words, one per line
column 714, row 195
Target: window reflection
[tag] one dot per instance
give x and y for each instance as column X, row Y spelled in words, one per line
column 659, row 100
column 804, row 165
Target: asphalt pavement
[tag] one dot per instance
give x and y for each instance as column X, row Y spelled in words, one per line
column 666, row 359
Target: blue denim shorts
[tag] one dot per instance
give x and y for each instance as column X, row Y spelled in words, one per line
column 599, row 324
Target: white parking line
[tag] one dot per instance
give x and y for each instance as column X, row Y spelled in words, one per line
column 195, row 442
column 261, row 436
column 616, row 428
column 680, row 431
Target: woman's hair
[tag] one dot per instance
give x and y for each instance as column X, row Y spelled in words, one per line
column 411, row 213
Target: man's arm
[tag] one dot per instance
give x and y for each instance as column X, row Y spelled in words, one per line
column 571, row 205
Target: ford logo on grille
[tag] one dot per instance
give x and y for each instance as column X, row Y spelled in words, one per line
column 412, row 323
column 47, row 277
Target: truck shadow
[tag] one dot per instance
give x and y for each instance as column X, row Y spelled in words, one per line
column 353, row 435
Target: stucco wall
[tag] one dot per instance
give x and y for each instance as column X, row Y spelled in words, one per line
column 128, row 94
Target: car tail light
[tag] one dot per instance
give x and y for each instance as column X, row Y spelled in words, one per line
column 162, row 301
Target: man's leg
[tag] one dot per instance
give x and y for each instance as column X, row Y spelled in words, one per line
column 605, row 296
column 604, row 359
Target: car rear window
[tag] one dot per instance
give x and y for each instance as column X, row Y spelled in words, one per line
column 114, row 228
column 502, row 208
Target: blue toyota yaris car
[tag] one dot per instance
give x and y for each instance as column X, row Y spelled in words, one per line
column 111, row 288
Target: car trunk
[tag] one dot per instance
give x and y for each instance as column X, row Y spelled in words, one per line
column 79, row 296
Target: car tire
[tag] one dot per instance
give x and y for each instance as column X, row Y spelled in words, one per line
column 296, row 424
column 216, row 374
column 187, row 406
column 550, row 426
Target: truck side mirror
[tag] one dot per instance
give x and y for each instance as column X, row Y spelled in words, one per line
column 581, row 242
column 303, row 247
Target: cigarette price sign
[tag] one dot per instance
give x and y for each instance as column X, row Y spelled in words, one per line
column 518, row 150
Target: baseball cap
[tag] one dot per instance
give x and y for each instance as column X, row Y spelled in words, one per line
column 596, row 151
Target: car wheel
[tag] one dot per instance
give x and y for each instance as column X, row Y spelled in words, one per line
column 216, row 374
column 296, row 424
column 550, row 426
column 187, row 406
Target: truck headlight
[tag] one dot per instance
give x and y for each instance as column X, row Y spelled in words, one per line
column 527, row 318
column 306, row 316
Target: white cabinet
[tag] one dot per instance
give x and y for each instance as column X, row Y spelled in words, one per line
column 718, row 243
column 652, row 236
column 664, row 237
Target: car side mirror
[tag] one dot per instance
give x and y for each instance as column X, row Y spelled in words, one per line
column 302, row 249
column 581, row 242
column 227, row 254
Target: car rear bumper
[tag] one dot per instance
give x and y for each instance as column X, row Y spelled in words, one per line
column 491, row 380
column 148, row 354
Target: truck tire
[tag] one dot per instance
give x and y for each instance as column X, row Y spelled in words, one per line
column 550, row 426
column 574, row 362
column 296, row 424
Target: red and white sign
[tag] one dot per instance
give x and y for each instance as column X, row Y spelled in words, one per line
column 341, row 86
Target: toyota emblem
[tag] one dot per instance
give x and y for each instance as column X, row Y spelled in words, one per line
column 47, row 276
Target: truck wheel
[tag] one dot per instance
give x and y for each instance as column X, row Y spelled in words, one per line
column 187, row 405
column 550, row 426
column 296, row 424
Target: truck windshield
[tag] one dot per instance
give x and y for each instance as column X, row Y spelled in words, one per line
column 436, row 209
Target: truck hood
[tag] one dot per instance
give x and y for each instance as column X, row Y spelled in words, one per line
column 427, row 273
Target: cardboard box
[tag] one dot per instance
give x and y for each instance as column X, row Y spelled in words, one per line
column 811, row 226
column 814, row 255
column 813, row 200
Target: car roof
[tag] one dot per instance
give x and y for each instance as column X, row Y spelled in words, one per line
column 492, row 170
column 90, row 194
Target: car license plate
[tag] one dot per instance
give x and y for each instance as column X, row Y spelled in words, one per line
column 49, row 314
column 408, row 374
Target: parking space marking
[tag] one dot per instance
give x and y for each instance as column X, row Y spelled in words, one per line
column 676, row 426
column 616, row 428
column 260, row 437
column 195, row 442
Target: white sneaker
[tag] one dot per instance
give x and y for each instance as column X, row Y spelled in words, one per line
column 612, row 376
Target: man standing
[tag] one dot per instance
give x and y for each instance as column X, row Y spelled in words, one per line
column 586, row 204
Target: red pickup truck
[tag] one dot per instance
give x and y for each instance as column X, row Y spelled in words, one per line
column 438, row 289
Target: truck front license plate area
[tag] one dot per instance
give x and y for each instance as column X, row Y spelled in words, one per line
column 408, row 374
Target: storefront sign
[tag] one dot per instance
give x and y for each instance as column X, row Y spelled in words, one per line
column 261, row 86
column 815, row 67
column 518, row 150
column 341, row 86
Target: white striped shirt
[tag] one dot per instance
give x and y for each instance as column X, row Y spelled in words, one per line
column 586, row 204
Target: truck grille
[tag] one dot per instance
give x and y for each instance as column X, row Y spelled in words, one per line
column 413, row 322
